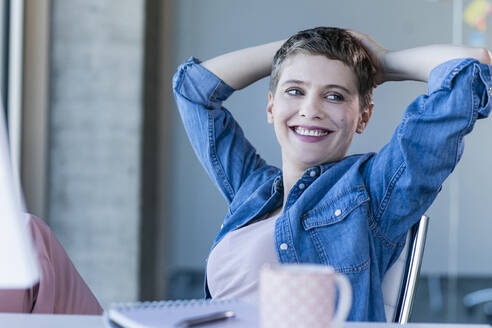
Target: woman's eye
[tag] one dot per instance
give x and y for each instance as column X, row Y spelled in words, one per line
column 335, row 97
column 294, row 92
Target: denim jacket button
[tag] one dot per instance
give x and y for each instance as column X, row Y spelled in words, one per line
column 284, row 246
column 221, row 226
column 490, row 91
column 312, row 173
column 302, row 186
column 338, row 212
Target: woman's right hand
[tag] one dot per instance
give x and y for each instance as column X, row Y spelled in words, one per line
column 377, row 53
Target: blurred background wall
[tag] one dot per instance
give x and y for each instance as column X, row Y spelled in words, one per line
column 95, row 139
column 107, row 164
column 84, row 111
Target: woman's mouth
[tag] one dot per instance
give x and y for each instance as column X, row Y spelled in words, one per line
column 309, row 133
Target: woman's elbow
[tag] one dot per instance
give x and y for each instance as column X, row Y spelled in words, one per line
column 485, row 57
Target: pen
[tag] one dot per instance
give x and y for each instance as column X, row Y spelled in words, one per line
column 205, row 319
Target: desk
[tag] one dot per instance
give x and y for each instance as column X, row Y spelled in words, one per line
column 94, row 321
column 50, row 321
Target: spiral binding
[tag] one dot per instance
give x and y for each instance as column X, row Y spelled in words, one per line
column 151, row 305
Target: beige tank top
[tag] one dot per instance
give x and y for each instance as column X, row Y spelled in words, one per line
column 234, row 264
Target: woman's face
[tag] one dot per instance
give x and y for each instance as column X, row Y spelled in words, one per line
column 315, row 110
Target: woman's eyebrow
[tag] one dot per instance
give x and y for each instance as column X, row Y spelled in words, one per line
column 337, row 86
column 327, row 86
column 294, row 82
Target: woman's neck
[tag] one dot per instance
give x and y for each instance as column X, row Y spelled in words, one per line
column 290, row 175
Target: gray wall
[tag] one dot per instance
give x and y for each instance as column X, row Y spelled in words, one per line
column 209, row 28
column 96, row 81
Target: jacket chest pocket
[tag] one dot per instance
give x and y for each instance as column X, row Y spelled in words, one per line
column 339, row 231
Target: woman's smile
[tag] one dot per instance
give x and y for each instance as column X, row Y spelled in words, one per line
column 310, row 133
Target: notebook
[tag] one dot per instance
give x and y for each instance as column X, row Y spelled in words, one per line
column 18, row 259
column 170, row 313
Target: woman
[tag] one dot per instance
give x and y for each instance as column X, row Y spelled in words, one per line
column 349, row 212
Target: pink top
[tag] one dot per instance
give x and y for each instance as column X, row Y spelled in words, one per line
column 61, row 289
column 233, row 267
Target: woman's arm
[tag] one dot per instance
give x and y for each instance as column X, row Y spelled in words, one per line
column 243, row 67
column 415, row 63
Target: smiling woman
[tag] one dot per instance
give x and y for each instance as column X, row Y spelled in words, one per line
column 348, row 212
column 315, row 95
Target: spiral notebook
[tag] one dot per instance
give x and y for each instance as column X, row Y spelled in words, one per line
column 170, row 313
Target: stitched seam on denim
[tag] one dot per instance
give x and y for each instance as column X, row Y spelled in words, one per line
column 454, row 72
column 355, row 269
column 379, row 235
column 324, row 258
column 476, row 99
column 474, row 113
column 278, row 237
column 212, row 95
column 179, row 81
column 291, row 238
column 181, row 72
column 274, row 181
column 348, row 191
column 404, row 121
column 373, row 226
column 394, row 179
column 318, row 245
column 347, row 211
column 213, row 157
column 484, row 74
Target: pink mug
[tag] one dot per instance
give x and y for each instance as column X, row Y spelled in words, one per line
column 303, row 295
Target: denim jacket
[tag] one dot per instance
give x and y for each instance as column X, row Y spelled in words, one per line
column 352, row 214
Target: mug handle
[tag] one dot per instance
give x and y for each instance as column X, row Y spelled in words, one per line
column 344, row 302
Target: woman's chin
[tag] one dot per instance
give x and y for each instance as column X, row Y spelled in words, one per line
column 308, row 162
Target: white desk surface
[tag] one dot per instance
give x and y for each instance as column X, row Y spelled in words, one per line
column 94, row 321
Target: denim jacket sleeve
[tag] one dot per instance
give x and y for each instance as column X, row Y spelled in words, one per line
column 217, row 139
column 406, row 175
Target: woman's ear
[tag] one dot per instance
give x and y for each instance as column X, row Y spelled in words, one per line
column 269, row 108
column 364, row 117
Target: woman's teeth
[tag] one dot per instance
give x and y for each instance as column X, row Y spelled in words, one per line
column 314, row 133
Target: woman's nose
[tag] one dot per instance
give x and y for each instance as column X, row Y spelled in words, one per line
column 311, row 109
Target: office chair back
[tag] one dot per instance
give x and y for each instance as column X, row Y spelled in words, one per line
column 400, row 281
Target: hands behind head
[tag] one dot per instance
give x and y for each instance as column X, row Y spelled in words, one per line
column 377, row 53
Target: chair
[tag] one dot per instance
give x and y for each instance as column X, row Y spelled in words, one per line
column 476, row 298
column 400, row 281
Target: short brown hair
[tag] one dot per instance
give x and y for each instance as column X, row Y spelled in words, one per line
column 333, row 43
